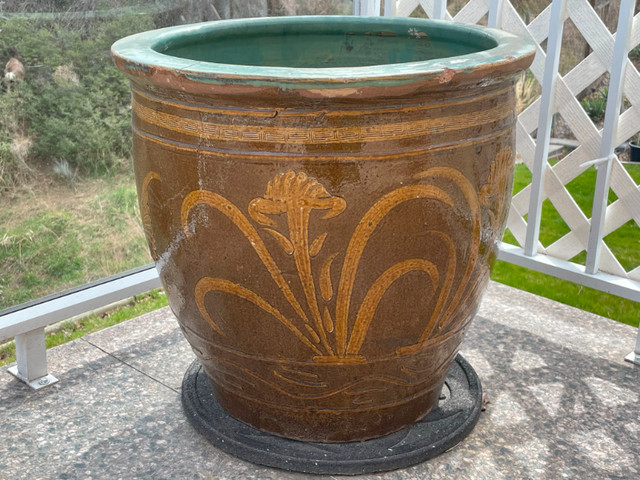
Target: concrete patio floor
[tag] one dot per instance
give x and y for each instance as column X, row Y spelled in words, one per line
column 562, row 403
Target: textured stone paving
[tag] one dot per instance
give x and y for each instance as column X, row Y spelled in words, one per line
column 562, row 403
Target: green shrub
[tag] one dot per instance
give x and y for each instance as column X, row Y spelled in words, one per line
column 73, row 128
column 12, row 173
column 73, row 103
column 596, row 105
column 14, row 169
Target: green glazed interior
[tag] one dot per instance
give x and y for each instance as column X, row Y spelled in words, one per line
column 325, row 45
column 320, row 52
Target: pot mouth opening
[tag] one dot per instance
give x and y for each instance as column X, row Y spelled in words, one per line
column 320, row 52
column 312, row 44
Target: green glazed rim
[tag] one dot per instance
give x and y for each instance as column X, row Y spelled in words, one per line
column 499, row 54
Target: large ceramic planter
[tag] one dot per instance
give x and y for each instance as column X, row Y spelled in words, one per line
column 634, row 151
column 323, row 197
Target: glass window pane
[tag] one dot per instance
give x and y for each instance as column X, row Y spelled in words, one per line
column 68, row 207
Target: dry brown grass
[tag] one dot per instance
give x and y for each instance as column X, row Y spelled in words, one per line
column 65, row 75
column 527, row 91
column 49, row 195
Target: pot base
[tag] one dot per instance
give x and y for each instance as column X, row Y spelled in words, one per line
column 443, row 428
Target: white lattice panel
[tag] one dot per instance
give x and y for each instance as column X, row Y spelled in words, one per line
column 568, row 87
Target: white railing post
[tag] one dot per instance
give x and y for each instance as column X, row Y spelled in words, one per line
column 31, row 359
column 26, row 323
column 357, row 7
column 390, row 8
column 495, row 14
column 440, row 9
column 609, row 133
column 540, row 163
column 366, row 8
column 634, row 357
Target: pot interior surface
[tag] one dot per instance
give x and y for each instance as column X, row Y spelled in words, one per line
column 310, row 44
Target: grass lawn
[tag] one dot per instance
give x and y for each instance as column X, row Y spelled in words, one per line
column 58, row 237
column 624, row 242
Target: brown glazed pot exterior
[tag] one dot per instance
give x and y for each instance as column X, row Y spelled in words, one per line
column 324, row 248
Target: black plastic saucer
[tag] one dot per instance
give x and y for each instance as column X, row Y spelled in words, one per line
column 442, row 429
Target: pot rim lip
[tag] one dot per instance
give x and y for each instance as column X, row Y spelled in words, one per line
column 137, row 56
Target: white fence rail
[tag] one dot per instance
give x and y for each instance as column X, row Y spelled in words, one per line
column 26, row 322
column 602, row 271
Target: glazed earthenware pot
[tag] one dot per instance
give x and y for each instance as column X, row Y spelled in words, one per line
column 323, row 197
column 634, row 151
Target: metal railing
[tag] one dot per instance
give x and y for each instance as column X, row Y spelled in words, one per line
column 26, row 323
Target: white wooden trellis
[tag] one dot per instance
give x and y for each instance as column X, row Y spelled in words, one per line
column 609, row 53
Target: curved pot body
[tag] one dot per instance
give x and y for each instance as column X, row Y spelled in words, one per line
column 634, row 151
column 323, row 197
